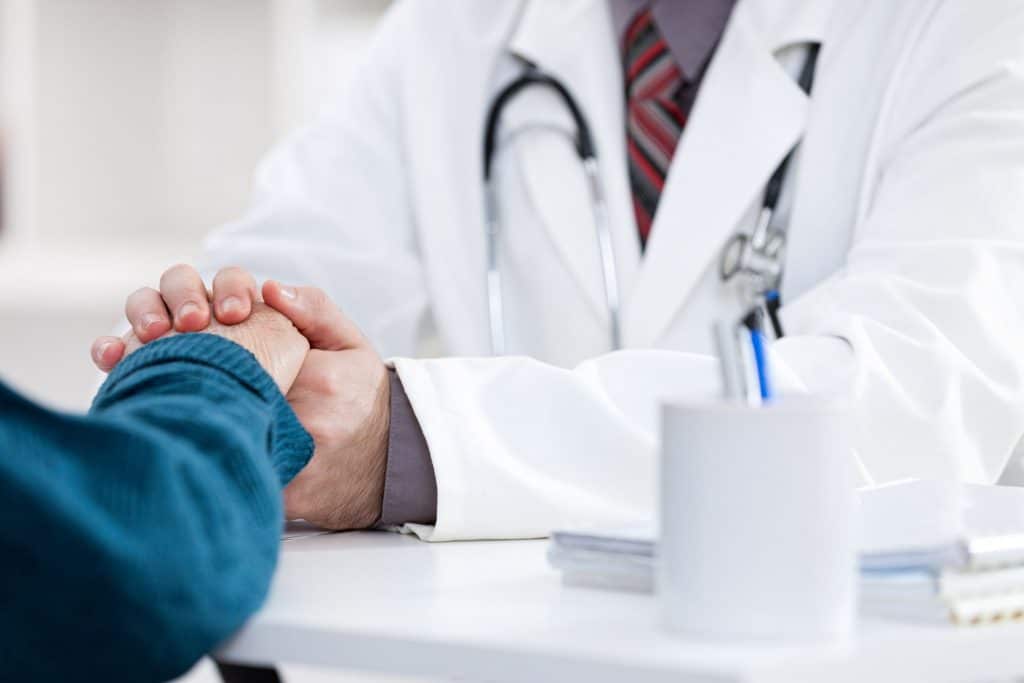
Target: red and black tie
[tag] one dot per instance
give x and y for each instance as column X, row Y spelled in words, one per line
column 654, row 119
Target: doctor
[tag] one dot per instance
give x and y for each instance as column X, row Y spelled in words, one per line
column 903, row 209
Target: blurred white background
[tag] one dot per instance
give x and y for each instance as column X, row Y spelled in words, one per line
column 129, row 129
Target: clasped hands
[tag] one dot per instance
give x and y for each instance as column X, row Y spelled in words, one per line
column 330, row 374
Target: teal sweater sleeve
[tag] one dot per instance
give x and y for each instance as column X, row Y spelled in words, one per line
column 136, row 538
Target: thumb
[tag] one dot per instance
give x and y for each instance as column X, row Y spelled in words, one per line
column 314, row 315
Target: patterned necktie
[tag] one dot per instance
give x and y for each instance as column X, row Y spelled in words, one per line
column 654, row 118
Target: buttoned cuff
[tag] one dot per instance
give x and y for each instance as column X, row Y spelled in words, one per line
column 410, row 489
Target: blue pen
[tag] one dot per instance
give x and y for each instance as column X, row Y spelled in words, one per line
column 752, row 321
column 761, row 358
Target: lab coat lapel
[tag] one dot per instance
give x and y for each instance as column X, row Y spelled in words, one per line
column 575, row 41
column 748, row 114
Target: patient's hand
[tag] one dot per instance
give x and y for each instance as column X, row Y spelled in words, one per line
column 278, row 346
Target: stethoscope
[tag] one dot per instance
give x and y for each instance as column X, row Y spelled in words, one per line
column 758, row 259
column 584, row 143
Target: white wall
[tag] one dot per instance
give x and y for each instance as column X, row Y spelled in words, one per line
column 129, row 129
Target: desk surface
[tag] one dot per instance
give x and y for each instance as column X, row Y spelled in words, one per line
column 496, row 611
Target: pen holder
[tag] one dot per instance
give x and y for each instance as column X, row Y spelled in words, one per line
column 757, row 521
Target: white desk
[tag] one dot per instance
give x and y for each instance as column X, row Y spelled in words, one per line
column 495, row 611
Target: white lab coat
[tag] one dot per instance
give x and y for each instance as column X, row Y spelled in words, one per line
column 905, row 268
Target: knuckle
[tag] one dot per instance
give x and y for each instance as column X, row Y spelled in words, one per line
column 141, row 297
column 138, row 291
column 142, row 293
column 177, row 270
column 232, row 275
column 180, row 275
column 332, row 382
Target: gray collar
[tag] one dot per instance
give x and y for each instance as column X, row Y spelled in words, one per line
column 691, row 28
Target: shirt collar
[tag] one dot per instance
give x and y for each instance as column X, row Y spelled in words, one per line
column 691, row 28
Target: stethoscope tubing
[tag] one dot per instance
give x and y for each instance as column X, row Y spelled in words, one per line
column 584, row 146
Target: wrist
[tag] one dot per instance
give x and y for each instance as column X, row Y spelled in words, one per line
column 367, row 505
column 379, row 458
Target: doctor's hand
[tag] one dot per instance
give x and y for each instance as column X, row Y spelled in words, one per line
column 342, row 397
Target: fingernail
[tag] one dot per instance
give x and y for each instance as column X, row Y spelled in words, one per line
column 230, row 304
column 187, row 308
column 148, row 320
column 101, row 351
column 288, row 292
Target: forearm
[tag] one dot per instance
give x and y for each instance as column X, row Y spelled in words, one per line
column 158, row 515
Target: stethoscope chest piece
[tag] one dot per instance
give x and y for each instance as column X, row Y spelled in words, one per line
column 756, row 259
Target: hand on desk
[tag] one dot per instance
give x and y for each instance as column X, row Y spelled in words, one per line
column 340, row 393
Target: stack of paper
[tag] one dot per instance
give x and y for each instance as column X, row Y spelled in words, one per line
column 956, row 596
column 621, row 559
column 929, row 551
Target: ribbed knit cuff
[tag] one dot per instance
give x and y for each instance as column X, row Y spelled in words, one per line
column 291, row 444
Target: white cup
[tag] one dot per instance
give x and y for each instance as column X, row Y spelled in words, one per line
column 757, row 521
